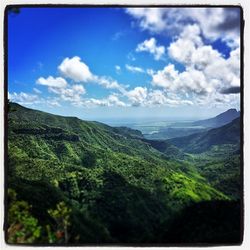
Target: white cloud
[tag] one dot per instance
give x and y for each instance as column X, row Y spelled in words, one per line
column 111, row 100
column 137, row 96
column 78, row 88
column 117, row 69
column 183, row 48
column 164, row 78
column 60, row 87
column 141, row 96
column 149, row 18
column 72, row 93
column 53, row 102
column 57, row 82
column 24, row 98
column 114, row 100
column 194, row 83
column 208, row 78
column 109, row 83
column 189, row 81
column 206, row 70
column 75, row 69
column 78, row 71
column 157, row 97
column 215, row 23
column 31, row 99
column 151, row 47
column 134, row 69
column 37, row 91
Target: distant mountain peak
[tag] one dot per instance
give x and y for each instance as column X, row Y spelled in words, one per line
column 232, row 110
column 219, row 120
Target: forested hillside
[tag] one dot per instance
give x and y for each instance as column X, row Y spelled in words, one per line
column 200, row 142
column 80, row 182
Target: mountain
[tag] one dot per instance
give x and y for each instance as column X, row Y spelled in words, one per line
column 200, row 142
column 173, row 132
column 113, row 185
column 216, row 156
column 219, row 120
column 171, row 151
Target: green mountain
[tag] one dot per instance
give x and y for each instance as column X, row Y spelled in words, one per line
column 216, row 155
column 200, row 142
column 74, row 181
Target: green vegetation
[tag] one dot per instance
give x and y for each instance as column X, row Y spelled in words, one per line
column 86, row 182
column 200, row 142
column 23, row 227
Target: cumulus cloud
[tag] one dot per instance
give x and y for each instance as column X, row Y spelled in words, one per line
column 31, row 99
column 78, row 72
column 189, row 81
column 141, row 96
column 24, row 98
column 215, row 23
column 208, row 76
column 114, row 100
column 157, row 97
column 152, row 19
column 151, row 47
column 217, row 99
column 137, row 96
column 111, row 100
column 183, row 48
column 62, row 89
column 75, row 69
column 134, row 69
column 57, row 82
column 72, row 93
column 206, row 70
column 164, row 78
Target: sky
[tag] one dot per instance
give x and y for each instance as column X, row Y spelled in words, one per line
column 125, row 63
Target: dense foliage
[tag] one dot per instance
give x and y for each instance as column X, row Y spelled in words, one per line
column 200, row 142
column 86, row 182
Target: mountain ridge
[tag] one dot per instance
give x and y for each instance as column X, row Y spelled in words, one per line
column 199, row 142
column 219, row 120
column 113, row 180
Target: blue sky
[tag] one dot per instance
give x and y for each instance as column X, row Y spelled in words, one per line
column 98, row 63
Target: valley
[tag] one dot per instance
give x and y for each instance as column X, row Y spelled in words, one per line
column 81, row 182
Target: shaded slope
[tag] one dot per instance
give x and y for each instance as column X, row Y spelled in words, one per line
column 220, row 218
column 200, row 142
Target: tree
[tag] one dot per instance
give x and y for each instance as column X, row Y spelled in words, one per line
column 61, row 215
column 22, row 226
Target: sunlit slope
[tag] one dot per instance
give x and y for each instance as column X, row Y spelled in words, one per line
column 110, row 176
